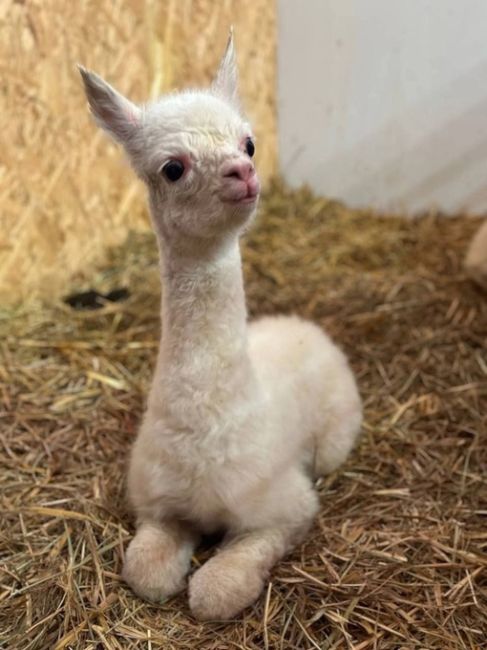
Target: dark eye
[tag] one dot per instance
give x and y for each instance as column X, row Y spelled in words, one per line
column 173, row 170
column 249, row 147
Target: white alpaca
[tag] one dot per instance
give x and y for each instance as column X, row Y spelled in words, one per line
column 240, row 417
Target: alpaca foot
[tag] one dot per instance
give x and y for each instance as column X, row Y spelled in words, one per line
column 234, row 578
column 223, row 587
column 157, row 561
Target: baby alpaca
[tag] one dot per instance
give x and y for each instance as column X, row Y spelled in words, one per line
column 240, row 418
column 476, row 259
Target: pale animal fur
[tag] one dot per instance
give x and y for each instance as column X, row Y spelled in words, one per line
column 476, row 259
column 240, row 418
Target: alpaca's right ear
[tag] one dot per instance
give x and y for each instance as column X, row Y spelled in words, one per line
column 111, row 110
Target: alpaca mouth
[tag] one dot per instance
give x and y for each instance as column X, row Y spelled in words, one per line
column 250, row 198
column 240, row 192
column 247, row 199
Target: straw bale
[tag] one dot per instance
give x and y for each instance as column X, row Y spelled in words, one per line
column 66, row 194
column 397, row 559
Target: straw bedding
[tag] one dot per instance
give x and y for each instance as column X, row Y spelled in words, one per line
column 397, row 556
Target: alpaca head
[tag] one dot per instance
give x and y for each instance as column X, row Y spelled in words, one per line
column 192, row 149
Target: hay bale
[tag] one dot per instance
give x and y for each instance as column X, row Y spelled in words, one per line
column 397, row 557
column 66, row 193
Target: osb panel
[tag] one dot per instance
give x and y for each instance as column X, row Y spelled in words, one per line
column 66, row 194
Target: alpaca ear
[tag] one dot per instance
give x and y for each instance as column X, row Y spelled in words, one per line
column 111, row 110
column 226, row 80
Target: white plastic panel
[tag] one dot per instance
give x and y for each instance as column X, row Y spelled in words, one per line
column 383, row 103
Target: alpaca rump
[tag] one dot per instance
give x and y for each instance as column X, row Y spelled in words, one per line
column 240, row 417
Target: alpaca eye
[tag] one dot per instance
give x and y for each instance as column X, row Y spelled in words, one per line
column 173, row 170
column 249, row 147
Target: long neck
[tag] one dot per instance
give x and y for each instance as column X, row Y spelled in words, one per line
column 203, row 307
column 203, row 367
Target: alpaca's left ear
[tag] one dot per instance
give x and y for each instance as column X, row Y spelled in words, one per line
column 112, row 111
column 226, row 80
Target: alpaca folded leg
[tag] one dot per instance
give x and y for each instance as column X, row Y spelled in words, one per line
column 158, row 559
column 235, row 576
column 270, row 526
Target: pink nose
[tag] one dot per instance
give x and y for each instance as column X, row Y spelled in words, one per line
column 242, row 170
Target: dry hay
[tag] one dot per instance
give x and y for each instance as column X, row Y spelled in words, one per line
column 397, row 556
column 66, row 195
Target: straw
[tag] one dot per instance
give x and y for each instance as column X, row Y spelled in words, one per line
column 397, row 556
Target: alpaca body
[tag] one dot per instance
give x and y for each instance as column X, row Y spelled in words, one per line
column 239, row 421
column 218, row 470
column 240, row 418
column 233, row 407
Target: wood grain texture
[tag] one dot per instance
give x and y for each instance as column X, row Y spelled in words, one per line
column 66, row 194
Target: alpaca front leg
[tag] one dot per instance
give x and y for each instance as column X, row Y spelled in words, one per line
column 158, row 559
column 234, row 578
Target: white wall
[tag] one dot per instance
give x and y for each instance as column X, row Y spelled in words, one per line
column 383, row 103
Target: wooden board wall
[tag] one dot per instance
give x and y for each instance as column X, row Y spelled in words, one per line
column 66, row 193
